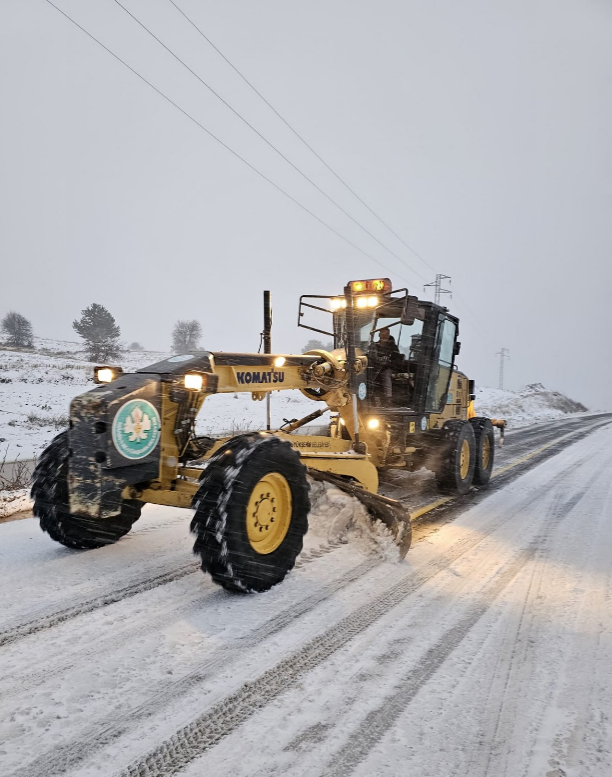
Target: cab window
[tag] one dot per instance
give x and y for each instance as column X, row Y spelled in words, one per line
column 442, row 366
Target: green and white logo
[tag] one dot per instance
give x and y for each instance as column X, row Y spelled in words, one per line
column 136, row 429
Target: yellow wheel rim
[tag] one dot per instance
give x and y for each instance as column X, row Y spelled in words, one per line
column 486, row 453
column 269, row 513
column 464, row 461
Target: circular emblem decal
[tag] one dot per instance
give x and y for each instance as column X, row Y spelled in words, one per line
column 362, row 391
column 424, row 424
column 136, row 429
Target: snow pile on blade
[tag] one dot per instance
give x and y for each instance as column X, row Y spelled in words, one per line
column 335, row 515
column 527, row 405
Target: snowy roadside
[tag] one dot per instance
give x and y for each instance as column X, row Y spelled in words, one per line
column 12, row 502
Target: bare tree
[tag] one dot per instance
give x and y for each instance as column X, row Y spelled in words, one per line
column 18, row 330
column 186, row 336
column 100, row 332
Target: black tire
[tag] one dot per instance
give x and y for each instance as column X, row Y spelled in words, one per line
column 485, row 450
column 50, row 495
column 231, row 479
column 459, row 441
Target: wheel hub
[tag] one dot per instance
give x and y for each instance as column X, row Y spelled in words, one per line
column 464, row 461
column 486, row 453
column 269, row 513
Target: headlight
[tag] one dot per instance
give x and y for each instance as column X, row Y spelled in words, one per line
column 337, row 302
column 362, row 302
column 373, row 423
column 106, row 374
column 372, row 302
column 194, row 381
column 279, row 361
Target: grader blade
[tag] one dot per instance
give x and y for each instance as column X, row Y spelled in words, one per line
column 391, row 512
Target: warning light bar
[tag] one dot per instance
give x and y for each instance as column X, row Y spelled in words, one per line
column 368, row 286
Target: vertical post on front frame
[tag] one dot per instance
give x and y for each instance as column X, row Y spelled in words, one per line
column 351, row 357
column 267, row 346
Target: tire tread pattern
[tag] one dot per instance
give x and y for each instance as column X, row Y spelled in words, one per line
column 220, row 535
column 50, row 495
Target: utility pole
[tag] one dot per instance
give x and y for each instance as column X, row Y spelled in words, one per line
column 503, row 354
column 437, row 284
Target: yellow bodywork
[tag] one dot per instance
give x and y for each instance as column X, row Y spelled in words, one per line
column 177, row 484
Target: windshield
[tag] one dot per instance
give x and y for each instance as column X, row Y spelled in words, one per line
column 407, row 338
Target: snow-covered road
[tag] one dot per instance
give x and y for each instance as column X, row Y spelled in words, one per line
column 486, row 652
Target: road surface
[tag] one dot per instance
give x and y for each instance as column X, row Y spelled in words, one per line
column 487, row 652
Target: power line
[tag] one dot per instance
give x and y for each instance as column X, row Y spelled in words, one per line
column 222, row 143
column 297, row 134
column 260, row 135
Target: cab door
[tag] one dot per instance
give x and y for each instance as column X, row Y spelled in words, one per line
column 441, row 364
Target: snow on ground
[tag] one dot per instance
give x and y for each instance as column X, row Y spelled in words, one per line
column 485, row 653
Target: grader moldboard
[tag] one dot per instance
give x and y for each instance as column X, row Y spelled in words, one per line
column 132, row 439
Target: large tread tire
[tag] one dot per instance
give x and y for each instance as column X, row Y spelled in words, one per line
column 448, row 468
column 50, row 495
column 220, row 520
column 485, row 450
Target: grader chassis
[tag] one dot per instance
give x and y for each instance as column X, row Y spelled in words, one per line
column 132, row 440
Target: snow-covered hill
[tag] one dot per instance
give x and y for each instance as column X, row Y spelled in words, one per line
column 530, row 404
column 36, row 388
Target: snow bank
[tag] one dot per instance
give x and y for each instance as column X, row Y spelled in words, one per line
column 530, row 404
column 12, row 502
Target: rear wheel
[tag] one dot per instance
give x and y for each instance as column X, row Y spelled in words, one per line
column 251, row 513
column 485, row 450
column 455, row 466
column 50, row 495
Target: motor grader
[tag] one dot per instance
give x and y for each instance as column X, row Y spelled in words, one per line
column 132, row 439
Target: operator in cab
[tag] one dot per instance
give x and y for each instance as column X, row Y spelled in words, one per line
column 383, row 353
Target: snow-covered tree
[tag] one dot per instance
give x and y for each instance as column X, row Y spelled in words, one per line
column 18, row 330
column 98, row 329
column 186, row 336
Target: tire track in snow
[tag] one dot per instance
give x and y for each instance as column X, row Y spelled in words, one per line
column 378, row 722
column 71, row 754
column 52, row 619
column 502, row 722
column 227, row 715
column 35, row 677
column 86, row 606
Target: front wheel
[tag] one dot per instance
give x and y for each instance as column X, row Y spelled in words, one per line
column 50, row 495
column 251, row 513
column 457, row 460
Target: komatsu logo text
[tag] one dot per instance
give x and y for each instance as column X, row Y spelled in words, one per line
column 260, row 377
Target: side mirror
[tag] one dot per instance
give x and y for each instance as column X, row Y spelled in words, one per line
column 410, row 311
column 457, row 348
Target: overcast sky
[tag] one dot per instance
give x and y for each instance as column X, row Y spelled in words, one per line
column 479, row 130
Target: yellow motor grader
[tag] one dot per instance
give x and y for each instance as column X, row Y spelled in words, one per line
column 394, row 396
